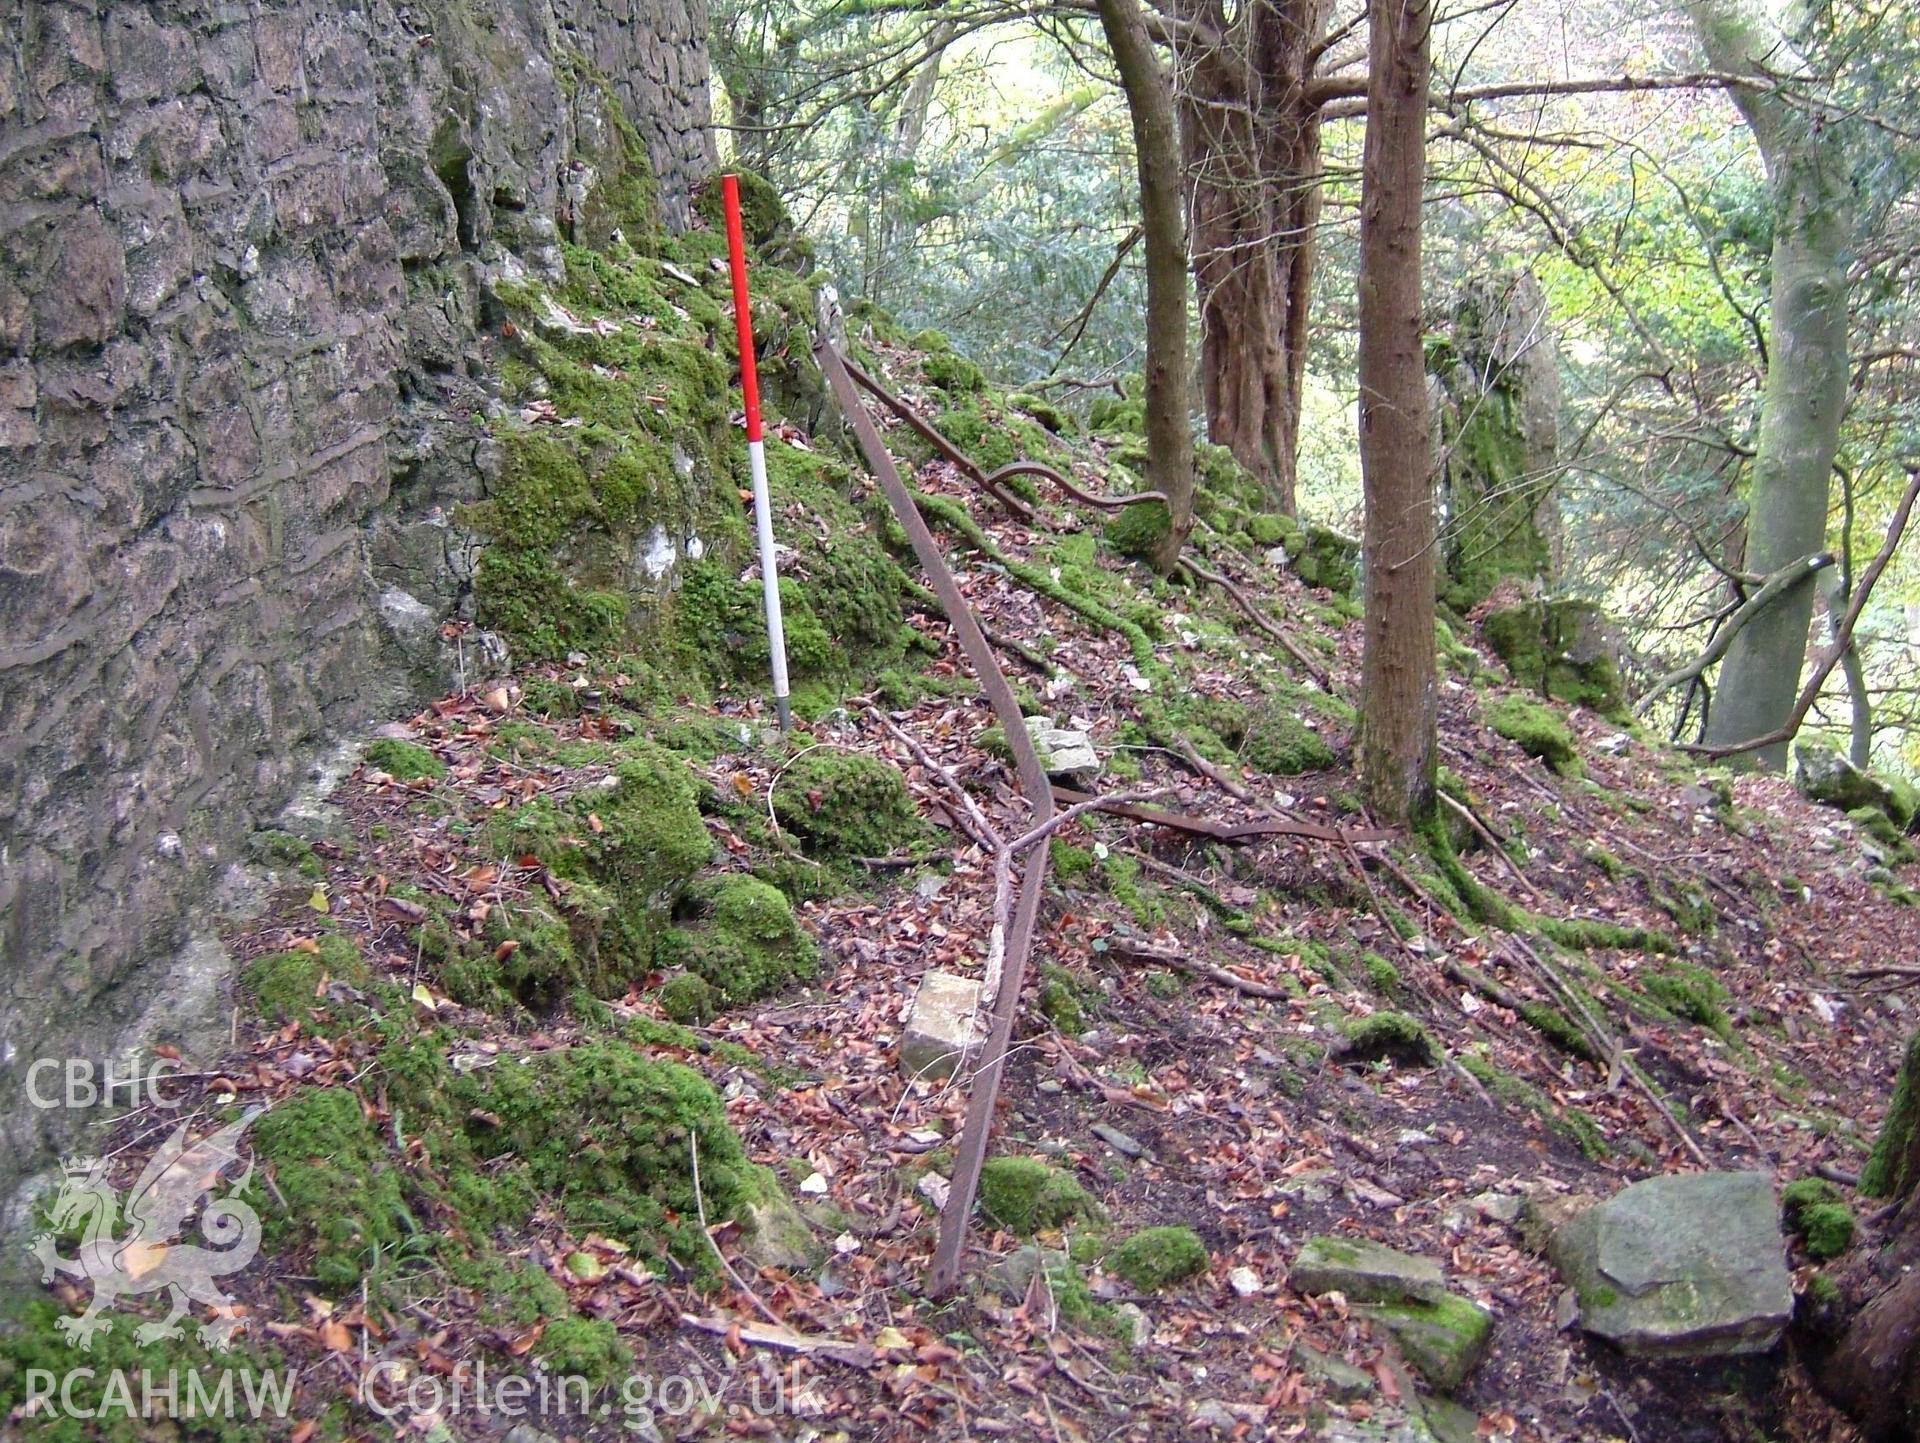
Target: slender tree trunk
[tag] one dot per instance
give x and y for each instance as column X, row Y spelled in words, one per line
column 1397, row 699
column 1252, row 145
column 893, row 246
column 1149, row 93
column 1806, row 384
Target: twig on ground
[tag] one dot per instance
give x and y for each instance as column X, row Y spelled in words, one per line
column 700, row 1203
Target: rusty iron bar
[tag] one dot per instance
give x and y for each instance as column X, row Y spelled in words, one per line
column 948, row 1255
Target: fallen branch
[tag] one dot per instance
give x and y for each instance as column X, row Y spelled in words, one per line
column 700, row 1203
column 1842, row 637
column 1224, row 831
column 1775, row 587
column 1486, row 835
column 835, row 1350
column 1119, row 946
column 970, row 468
column 1260, row 619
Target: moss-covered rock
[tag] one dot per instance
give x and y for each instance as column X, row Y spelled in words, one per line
column 953, row 372
column 1817, row 1213
column 1155, row 1258
column 1537, row 730
column 607, row 1131
column 688, row 998
column 1280, row 743
column 1693, row 993
column 342, row 1196
column 1444, row 1339
column 1057, row 420
column 843, row 805
column 289, row 986
column 403, row 760
column 1563, row 649
column 627, row 850
column 1060, row 1000
column 741, row 938
column 1026, row 1194
column 1138, row 530
column 1826, row 778
column 588, row 1348
column 286, row 852
column 1388, row 1035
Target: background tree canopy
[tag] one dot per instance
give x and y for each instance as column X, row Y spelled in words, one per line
column 968, row 167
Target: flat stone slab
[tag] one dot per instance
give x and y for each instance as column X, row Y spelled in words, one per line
column 1690, row 1265
column 1063, row 753
column 940, row 1027
column 1365, row 1272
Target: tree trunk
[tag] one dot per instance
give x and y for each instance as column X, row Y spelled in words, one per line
column 1397, row 672
column 1805, row 396
column 1252, row 145
column 1874, row 1370
column 1149, row 94
column 891, row 250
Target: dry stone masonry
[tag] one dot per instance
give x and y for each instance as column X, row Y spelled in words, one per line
column 242, row 256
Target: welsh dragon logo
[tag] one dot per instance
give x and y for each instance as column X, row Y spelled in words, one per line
column 148, row 1259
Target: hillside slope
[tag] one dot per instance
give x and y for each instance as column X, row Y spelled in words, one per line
column 580, row 1022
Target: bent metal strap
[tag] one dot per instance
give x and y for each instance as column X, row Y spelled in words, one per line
column 1034, row 786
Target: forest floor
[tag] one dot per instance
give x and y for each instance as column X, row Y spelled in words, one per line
column 1181, row 1053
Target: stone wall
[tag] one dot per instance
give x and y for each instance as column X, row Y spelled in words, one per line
column 243, row 248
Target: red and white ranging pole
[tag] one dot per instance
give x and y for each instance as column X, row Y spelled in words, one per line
column 757, row 452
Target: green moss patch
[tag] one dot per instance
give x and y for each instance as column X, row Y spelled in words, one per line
column 343, row 1199
column 606, row 1130
column 289, row 986
column 1026, row 1194
column 1138, row 530
column 1155, row 1258
column 403, row 760
column 1537, row 730
column 1444, row 1339
column 741, row 939
column 1816, row 1212
column 1890, row 1171
column 1390, row 1036
column 626, row 850
column 1279, row 743
column 842, row 805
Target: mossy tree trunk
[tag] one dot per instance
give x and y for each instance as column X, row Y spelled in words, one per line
column 1149, row 92
column 1397, row 696
column 1252, row 142
column 1806, row 385
column 1874, row 1370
